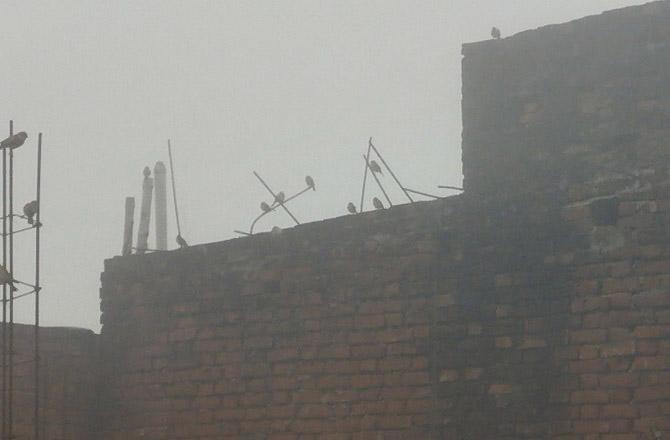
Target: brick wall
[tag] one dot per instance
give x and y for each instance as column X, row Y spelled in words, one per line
column 528, row 317
column 569, row 105
column 68, row 383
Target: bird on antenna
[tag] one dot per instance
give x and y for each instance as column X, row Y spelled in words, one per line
column 280, row 197
column 265, row 207
column 181, row 242
column 310, row 182
column 29, row 210
column 377, row 203
column 495, row 33
column 375, row 168
column 351, row 208
column 14, row 141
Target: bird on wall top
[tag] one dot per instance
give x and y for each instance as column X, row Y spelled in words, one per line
column 351, row 208
column 14, row 141
column 181, row 242
column 495, row 33
column 29, row 210
column 377, row 203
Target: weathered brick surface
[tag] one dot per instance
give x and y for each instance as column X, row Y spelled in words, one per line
column 68, row 383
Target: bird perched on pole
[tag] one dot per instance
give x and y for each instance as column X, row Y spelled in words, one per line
column 351, row 208
column 265, row 207
column 377, row 203
column 280, row 197
column 181, row 242
column 14, row 141
column 495, row 33
column 29, row 210
column 310, row 182
column 374, row 166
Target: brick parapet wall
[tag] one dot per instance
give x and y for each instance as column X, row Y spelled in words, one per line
column 524, row 317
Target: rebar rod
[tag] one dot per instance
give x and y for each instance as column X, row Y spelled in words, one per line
column 275, row 198
column 4, row 288
column 423, row 193
column 37, row 289
column 174, row 190
column 10, row 398
column 457, row 188
column 391, row 171
column 379, row 184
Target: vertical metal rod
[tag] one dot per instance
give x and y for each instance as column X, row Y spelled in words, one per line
column 161, row 206
column 10, row 398
column 365, row 176
column 38, row 226
column 379, row 184
column 5, row 410
column 174, row 190
column 275, row 196
column 391, row 172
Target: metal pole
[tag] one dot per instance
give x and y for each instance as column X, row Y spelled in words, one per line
column 160, row 191
column 422, row 193
column 390, row 171
column 379, row 184
column 5, row 410
column 365, row 176
column 174, row 190
column 38, row 226
column 275, row 197
column 10, row 399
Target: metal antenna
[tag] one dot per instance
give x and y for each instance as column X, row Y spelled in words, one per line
column 5, row 409
column 378, row 182
column 10, row 399
column 174, row 190
column 38, row 288
column 365, row 175
column 282, row 204
column 386, row 165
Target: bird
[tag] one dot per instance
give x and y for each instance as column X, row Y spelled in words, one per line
column 276, row 230
column 377, row 203
column 351, row 208
column 280, row 197
column 181, row 242
column 265, row 207
column 310, row 182
column 14, row 141
column 495, row 33
column 374, row 166
column 6, row 278
column 29, row 210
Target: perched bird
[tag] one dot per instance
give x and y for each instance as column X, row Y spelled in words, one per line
column 14, row 141
column 276, row 230
column 310, row 182
column 351, row 208
column 181, row 242
column 377, row 203
column 29, row 210
column 495, row 33
column 265, row 207
column 280, row 197
column 5, row 276
column 374, row 166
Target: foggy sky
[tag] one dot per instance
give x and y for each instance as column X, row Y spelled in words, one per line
column 287, row 88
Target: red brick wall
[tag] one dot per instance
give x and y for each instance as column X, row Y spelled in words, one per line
column 528, row 317
column 68, row 380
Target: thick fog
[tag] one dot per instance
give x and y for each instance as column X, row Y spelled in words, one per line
column 286, row 88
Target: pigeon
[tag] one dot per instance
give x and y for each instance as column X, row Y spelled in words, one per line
column 6, row 277
column 280, row 197
column 495, row 33
column 310, row 182
column 14, row 141
column 351, row 208
column 374, row 166
column 377, row 203
column 265, row 207
column 181, row 242
column 276, row 230
column 29, row 210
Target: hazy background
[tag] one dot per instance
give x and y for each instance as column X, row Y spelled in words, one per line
column 287, row 88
